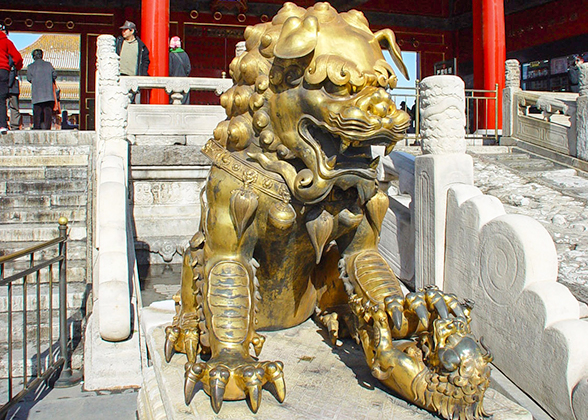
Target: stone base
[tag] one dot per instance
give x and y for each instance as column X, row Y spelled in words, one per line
column 322, row 381
column 110, row 365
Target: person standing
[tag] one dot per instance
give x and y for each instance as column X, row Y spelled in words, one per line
column 7, row 51
column 134, row 55
column 42, row 76
column 13, row 94
column 574, row 74
column 179, row 63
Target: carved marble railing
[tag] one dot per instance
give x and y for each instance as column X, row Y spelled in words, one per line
column 507, row 264
column 120, row 125
column 560, row 126
column 176, row 87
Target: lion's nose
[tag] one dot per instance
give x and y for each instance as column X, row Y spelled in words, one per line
column 377, row 103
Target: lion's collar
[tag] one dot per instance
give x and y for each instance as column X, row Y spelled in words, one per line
column 263, row 181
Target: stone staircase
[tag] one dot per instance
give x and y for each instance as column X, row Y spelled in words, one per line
column 44, row 175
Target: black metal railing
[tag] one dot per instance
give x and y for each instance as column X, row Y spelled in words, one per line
column 481, row 110
column 41, row 356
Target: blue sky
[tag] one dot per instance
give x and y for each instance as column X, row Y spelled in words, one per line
column 22, row 40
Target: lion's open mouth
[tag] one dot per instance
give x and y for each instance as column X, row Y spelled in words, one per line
column 346, row 144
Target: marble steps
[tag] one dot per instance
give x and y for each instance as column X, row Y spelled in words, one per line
column 43, row 200
column 24, row 215
column 76, row 250
column 75, row 336
column 44, row 176
column 43, row 173
column 43, row 187
column 44, row 150
column 75, row 273
column 76, row 293
column 40, row 137
column 73, row 315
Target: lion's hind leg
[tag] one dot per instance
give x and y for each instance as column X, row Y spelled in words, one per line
column 188, row 333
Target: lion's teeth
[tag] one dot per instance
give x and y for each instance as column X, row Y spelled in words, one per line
column 344, row 146
column 374, row 163
column 331, row 162
column 389, row 148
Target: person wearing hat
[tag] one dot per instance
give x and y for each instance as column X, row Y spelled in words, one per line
column 134, row 55
column 7, row 52
column 179, row 63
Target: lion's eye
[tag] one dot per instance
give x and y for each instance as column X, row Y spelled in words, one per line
column 333, row 89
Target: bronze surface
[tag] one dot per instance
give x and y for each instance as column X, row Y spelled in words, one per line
column 291, row 218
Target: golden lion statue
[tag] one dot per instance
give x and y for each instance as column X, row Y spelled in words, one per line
column 292, row 198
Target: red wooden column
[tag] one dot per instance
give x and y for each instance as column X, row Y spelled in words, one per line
column 155, row 35
column 489, row 54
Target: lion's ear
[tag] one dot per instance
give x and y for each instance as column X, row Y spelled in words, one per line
column 298, row 37
column 387, row 40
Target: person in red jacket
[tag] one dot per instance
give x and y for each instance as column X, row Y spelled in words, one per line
column 7, row 49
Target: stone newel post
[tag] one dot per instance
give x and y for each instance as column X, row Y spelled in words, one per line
column 113, row 99
column 443, row 163
column 111, row 278
column 582, row 114
column 511, row 87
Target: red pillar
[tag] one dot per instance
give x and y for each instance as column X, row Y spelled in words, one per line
column 489, row 53
column 155, row 35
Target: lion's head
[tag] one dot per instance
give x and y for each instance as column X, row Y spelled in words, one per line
column 310, row 99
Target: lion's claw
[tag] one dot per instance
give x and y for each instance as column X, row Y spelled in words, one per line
column 416, row 303
column 395, row 307
column 275, row 375
column 219, row 377
column 171, row 337
column 253, row 381
column 454, row 305
column 435, row 300
column 182, row 339
column 223, row 382
column 193, row 375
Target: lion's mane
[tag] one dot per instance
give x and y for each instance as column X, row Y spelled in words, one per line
column 258, row 74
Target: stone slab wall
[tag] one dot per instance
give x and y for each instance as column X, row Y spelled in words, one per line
column 507, row 264
column 165, row 186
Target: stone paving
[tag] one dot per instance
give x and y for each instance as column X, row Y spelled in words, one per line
column 554, row 195
column 324, row 381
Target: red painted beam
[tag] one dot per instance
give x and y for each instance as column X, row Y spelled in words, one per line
column 155, row 35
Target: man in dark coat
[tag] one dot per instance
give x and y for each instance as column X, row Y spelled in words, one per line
column 13, row 94
column 42, row 76
column 7, row 51
column 179, row 63
column 574, row 74
column 134, row 55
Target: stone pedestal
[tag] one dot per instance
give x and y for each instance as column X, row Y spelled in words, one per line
column 322, row 381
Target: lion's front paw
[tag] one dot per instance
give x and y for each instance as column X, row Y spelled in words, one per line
column 232, row 378
column 416, row 311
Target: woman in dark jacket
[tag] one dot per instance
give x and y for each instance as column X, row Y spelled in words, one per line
column 179, row 63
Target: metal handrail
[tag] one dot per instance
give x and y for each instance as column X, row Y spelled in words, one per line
column 472, row 97
column 42, row 373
